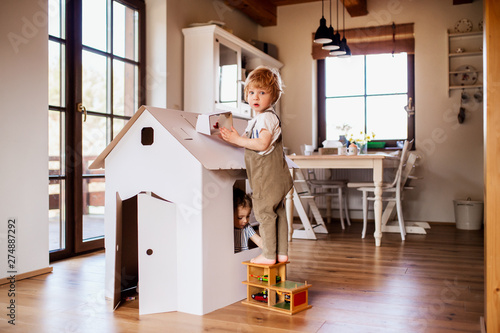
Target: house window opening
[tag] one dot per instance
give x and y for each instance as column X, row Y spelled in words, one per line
column 147, row 136
column 244, row 225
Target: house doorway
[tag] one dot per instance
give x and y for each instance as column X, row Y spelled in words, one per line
column 96, row 53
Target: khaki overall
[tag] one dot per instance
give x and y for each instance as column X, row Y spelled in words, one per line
column 270, row 181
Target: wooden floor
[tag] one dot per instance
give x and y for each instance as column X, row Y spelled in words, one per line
column 430, row 283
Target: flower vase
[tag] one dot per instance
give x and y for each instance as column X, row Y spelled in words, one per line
column 362, row 148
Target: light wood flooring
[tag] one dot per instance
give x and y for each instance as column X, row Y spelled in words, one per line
column 429, row 283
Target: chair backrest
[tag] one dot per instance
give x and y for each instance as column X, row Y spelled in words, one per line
column 406, row 153
column 402, row 160
column 311, row 174
column 302, row 149
column 408, row 167
column 300, row 183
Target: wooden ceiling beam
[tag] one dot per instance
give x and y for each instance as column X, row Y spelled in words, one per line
column 263, row 12
column 353, row 7
column 356, row 7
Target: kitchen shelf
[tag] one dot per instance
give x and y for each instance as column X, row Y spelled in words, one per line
column 459, row 72
column 471, row 86
column 465, row 34
column 466, row 54
column 471, row 43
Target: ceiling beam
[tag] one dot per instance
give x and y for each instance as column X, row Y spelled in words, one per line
column 356, row 7
column 264, row 12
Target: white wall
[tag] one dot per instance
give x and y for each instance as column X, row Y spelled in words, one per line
column 156, row 53
column 23, row 132
column 181, row 13
column 451, row 154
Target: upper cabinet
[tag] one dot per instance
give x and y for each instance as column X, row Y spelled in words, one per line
column 215, row 67
column 465, row 60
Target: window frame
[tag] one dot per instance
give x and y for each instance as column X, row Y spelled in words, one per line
column 72, row 132
column 321, row 101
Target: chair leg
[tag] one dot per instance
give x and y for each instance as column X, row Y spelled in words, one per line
column 365, row 214
column 399, row 208
column 309, row 210
column 339, row 191
column 346, row 208
column 328, row 200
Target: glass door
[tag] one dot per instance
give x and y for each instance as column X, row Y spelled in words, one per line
column 103, row 52
column 58, row 229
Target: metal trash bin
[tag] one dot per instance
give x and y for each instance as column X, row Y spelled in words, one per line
column 468, row 214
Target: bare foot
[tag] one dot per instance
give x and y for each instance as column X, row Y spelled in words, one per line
column 282, row 258
column 260, row 259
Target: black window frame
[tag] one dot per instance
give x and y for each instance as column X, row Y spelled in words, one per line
column 321, row 98
column 72, row 175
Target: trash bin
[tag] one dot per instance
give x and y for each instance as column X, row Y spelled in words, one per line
column 468, row 214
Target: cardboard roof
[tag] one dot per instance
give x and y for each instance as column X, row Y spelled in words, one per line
column 211, row 151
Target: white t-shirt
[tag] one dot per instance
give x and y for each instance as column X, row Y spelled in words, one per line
column 270, row 122
column 241, row 237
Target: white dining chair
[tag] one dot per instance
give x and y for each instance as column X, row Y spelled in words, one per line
column 302, row 199
column 403, row 156
column 330, row 188
column 395, row 191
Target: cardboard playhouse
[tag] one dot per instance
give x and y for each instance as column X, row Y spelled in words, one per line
column 169, row 214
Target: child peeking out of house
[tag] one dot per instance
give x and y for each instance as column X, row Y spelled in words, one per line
column 267, row 170
column 243, row 231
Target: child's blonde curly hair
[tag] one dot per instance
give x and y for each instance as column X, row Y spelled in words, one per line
column 267, row 79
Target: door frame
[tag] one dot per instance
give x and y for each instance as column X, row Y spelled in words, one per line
column 491, row 164
column 74, row 243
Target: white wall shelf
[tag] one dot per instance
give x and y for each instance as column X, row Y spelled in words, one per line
column 465, row 49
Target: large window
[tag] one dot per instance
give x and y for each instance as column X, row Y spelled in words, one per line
column 368, row 94
column 96, row 83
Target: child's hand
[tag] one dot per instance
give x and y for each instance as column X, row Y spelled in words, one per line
column 230, row 136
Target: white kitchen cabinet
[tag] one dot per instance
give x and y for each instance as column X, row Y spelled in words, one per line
column 215, row 66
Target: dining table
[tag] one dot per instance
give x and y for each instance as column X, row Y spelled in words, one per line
column 375, row 162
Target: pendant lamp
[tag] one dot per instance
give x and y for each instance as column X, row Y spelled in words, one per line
column 331, row 45
column 321, row 35
column 347, row 49
column 341, row 50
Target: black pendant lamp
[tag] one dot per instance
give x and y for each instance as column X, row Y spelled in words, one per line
column 331, row 45
column 341, row 50
column 347, row 49
column 321, row 35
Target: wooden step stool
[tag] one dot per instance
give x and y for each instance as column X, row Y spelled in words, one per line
column 283, row 296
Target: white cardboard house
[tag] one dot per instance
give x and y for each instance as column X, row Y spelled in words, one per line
column 184, row 232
